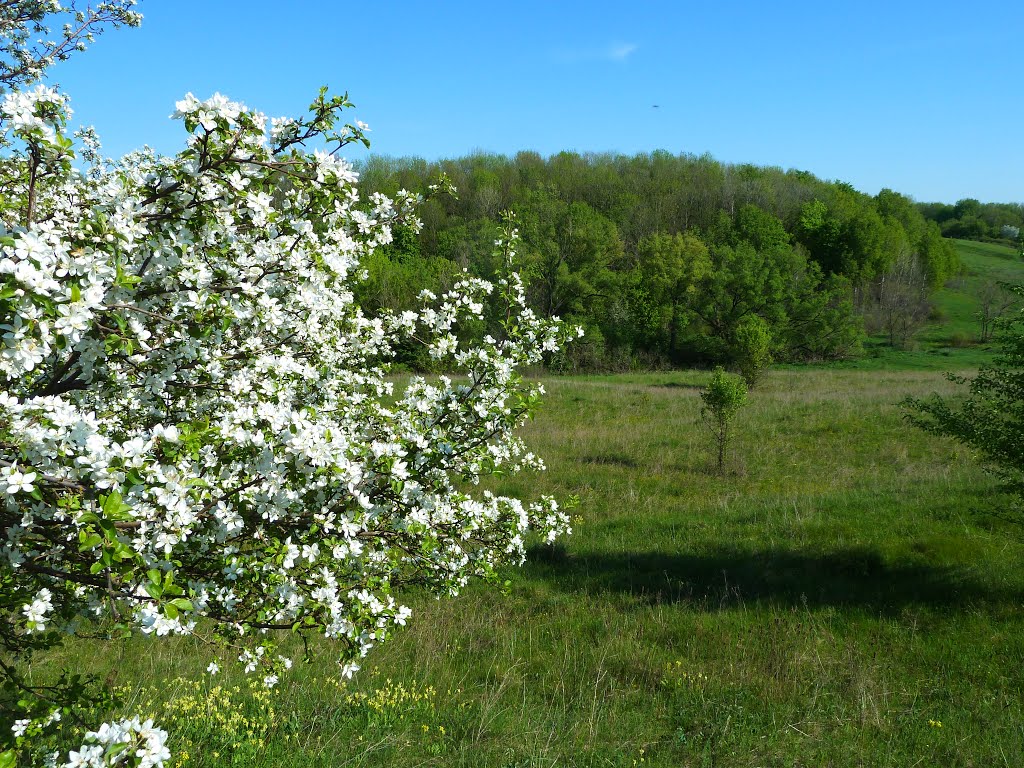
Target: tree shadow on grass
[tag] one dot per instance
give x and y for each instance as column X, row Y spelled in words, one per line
column 677, row 385
column 726, row 577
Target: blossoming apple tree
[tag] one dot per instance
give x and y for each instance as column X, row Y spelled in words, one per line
column 198, row 430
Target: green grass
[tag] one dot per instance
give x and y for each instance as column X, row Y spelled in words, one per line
column 842, row 591
column 823, row 604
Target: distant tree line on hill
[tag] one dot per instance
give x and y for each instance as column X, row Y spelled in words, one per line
column 670, row 260
column 970, row 219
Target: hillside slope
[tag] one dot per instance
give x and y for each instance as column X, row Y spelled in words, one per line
column 952, row 337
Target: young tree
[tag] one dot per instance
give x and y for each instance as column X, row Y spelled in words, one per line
column 994, row 299
column 990, row 419
column 197, row 430
column 724, row 395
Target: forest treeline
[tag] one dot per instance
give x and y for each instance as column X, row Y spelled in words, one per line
column 970, row 219
column 672, row 259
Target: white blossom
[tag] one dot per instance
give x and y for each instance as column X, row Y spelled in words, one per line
column 196, row 419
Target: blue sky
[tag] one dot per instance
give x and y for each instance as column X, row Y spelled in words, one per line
column 924, row 98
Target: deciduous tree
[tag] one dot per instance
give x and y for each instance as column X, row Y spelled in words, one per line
column 198, row 433
column 724, row 395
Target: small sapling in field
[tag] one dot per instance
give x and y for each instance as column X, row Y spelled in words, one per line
column 724, row 395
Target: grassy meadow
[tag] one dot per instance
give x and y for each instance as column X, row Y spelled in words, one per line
column 843, row 596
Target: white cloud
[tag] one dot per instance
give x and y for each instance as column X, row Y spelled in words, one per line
column 620, row 51
column 610, row 52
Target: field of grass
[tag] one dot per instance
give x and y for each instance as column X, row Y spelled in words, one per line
column 829, row 601
column 844, row 595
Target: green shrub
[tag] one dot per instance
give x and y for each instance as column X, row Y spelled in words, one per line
column 990, row 419
column 723, row 397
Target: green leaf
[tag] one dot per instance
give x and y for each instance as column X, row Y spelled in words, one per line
column 115, row 749
column 114, row 508
column 8, row 759
column 111, row 502
column 87, row 541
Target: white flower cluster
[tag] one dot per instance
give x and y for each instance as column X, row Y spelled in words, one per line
column 124, row 743
column 196, row 420
column 40, row 113
column 36, row 611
